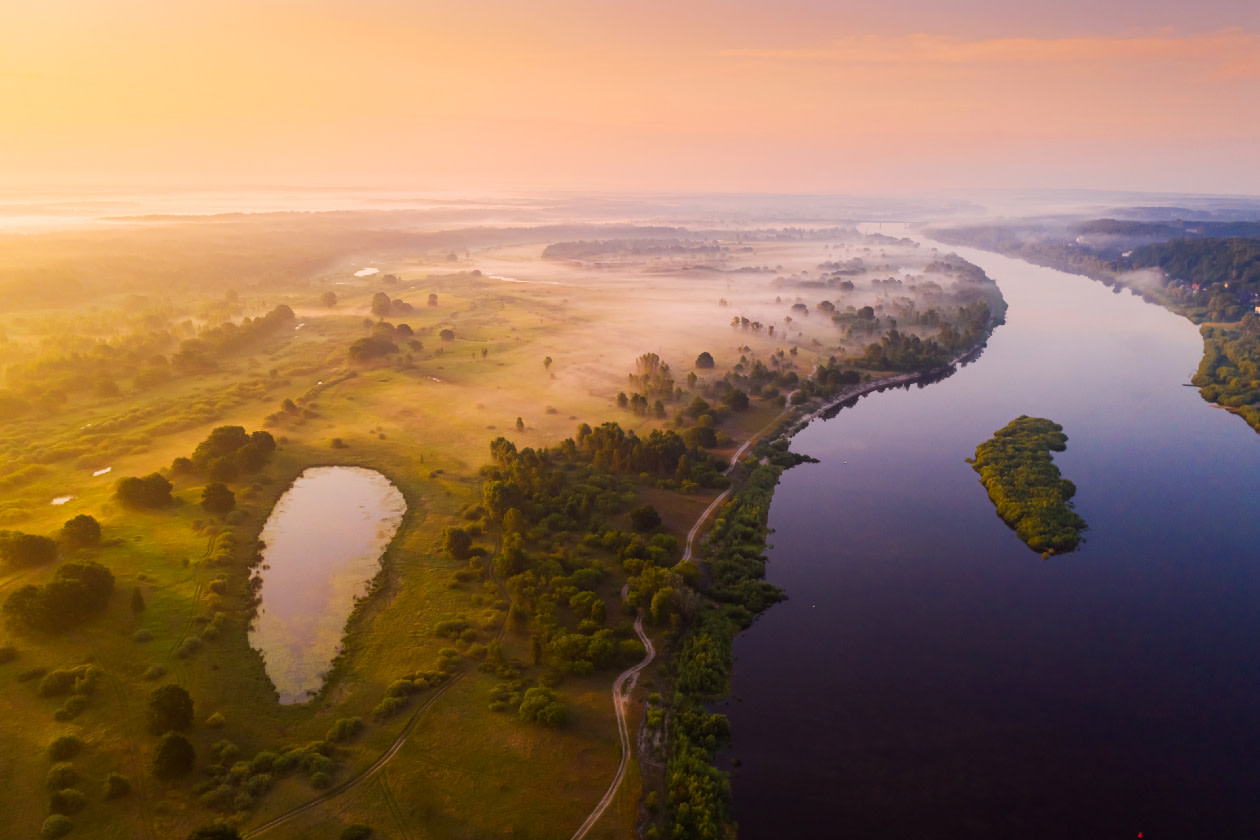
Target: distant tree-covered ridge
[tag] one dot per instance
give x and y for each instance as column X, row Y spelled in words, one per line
column 1030, row 494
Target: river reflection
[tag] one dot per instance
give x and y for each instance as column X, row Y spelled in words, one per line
column 930, row 677
column 323, row 541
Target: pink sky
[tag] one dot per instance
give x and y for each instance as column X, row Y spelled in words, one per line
column 794, row 96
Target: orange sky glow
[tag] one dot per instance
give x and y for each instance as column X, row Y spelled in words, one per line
column 737, row 97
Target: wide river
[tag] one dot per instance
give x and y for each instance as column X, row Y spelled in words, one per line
column 931, row 677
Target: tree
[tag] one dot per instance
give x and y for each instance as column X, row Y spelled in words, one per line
column 151, row 491
column 737, row 400
column 217, row 498
column 173, row 757
column 329, row 299
column 704, row 360
column 433, row 299
column 380, row 304
column 457, row 542
column 81, row 532
column 19, row 549
column 447, row 335
column 137, row 601
column 218, row 831
column 547, row 363
column 645, row 518
column 520, row 425
column 170, row 708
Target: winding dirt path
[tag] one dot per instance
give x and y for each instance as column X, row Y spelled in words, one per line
column 621, row 701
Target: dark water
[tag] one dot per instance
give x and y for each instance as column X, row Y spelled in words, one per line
column 931, row 677
column 324, row 542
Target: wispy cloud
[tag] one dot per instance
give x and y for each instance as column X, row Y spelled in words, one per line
column 1232, row 52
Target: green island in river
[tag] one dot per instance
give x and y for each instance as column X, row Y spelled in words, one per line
column 1028, row 490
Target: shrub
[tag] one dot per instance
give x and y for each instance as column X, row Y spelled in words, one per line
column 64, row 747
column 60, row 776
column 57, row 825
column 216, row 720
column 645, row 518
column 142, row 635
column 67, row 801
column 56, row 683
column 173, row 757
column 320, row 780
column 70, row 709
column 541, row 705
column 189, row 646
column 345, row 729
column 170, row 708
column 116, row 785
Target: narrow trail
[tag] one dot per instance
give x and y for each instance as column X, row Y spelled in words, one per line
column 626, row 680
column 621, row 700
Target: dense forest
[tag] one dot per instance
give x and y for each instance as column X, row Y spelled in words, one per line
column 1031, row 496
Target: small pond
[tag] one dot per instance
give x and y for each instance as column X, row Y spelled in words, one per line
column 324, row 541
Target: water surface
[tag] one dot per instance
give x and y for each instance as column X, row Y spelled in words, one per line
column 931, row 677
column 324, row 541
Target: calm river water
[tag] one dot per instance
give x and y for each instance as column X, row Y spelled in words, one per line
column 324, row 543
column 931, row 677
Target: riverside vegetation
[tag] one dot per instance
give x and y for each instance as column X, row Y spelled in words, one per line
column 166, row 409
column 1206, row 271
column 1026, row 487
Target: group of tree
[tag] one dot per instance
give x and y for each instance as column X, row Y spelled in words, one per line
column 227, row 452
column 1026, row 487
column 76, row 592
column 21, row 550
column 202, row 354
column 1229, row 373
column 150, row 491
column 383, row 306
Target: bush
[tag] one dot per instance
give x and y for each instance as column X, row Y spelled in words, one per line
column 70, row 709
column 216, row 720
column 345, row 729
column 56, row 683
column 64, row 747
column 320, row 780
column 117, row 785
column 143, row 635
column 541, row 705
column 170, row 708
column 56, row 826
column 173, row 757
column 67, row 801
column 189, row 646
column 60, row 776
